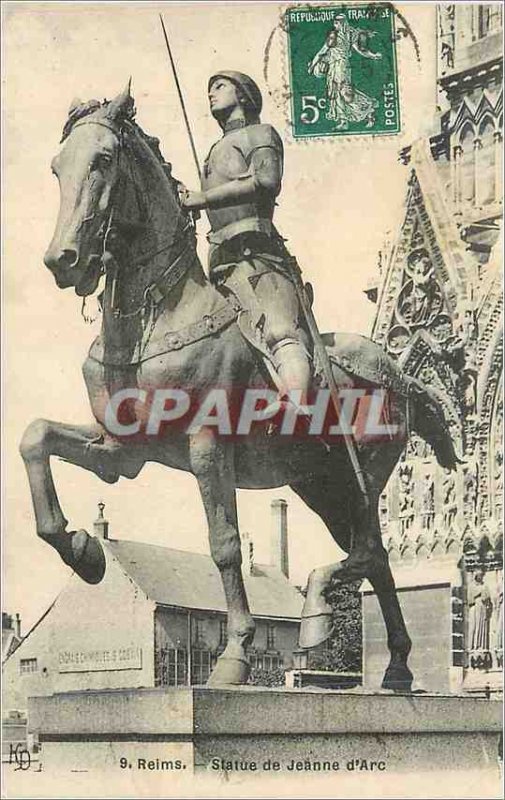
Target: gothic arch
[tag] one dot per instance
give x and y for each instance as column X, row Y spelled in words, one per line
column 453, row 548
column 467, row 132
column 486, row 180
column 487, row 121
column 467, row 163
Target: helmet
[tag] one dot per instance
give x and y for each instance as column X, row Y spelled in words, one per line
column 246, row 84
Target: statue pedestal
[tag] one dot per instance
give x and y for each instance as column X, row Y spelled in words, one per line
column 253, row 734
column 430, row 596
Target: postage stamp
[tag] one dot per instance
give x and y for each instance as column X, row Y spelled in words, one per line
column 343, row 70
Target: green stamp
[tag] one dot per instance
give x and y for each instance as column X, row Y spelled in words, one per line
column 343, row 71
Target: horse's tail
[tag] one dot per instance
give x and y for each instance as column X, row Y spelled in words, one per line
column 430, row 423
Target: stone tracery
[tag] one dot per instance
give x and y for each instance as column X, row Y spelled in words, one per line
column 440, row 313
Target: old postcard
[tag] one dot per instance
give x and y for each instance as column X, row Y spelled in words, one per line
column 253, row 399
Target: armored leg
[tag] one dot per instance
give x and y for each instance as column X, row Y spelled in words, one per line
column 271, row 299
column 292, row 364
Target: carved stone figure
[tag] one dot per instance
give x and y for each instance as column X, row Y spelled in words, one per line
column 406, row 498
column 470, row 484
column 428, row 502
column 420, row 298
column 468, row 388
column 417, row 448
column 498, row 458
column 497, row 623
column 383, row 510
column 467, row 327
column 480, row 609
column 447, row 54
column 450, row 507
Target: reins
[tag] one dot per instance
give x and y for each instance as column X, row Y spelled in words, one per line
column 158, row 289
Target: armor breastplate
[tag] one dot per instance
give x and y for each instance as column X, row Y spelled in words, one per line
column 228, row 160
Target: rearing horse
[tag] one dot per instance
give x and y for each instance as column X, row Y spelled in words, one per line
column 121, row 231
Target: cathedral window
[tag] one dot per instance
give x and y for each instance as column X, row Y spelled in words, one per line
column 489, row 19
column 467, row 166
column 486, row 166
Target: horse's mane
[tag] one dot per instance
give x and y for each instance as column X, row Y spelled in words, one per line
column 84, row 109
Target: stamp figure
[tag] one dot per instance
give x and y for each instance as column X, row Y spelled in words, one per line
column 333, row 61
column 349, row 83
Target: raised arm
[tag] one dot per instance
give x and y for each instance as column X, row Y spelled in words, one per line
column 263, row 176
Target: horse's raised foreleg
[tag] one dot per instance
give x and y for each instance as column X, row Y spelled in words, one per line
column 82, row 445
column 212, row 464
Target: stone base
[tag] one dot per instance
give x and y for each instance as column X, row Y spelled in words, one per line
column 253, row 733
column 429, row 598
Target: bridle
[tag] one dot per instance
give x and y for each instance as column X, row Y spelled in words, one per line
column 156, row 291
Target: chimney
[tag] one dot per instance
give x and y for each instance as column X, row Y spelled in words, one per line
column 247, row 554
column 279, row 537
column 17, row 626
column 100, row 525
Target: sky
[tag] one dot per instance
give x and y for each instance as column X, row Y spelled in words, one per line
column 339, row 199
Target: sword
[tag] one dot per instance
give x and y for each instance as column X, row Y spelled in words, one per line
column 324, row 360
column 181, row 100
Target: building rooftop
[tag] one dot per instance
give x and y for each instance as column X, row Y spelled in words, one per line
column 191, row 580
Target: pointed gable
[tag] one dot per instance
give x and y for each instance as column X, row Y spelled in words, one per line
column 429, row 270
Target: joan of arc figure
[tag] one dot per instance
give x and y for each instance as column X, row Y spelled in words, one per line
column 247, row 257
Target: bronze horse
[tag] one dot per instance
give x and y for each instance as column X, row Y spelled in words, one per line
column 121, row 230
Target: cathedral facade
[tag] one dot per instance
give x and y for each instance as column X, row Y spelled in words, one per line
column 439, row 313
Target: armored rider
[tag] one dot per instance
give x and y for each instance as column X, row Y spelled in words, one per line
column 247, row 257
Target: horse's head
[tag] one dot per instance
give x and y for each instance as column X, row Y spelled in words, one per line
column 88, row 170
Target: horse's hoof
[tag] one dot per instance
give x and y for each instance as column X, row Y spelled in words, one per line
column 229, row 671
column 398, row 678
column 315, row 601
column 314, row 630
column 86, row 557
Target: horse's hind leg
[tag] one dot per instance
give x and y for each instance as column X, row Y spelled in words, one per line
column 359, row 534
column 212, row 464
column 398, row 675
column 83, row 446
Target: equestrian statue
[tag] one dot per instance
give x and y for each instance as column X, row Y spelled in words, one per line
column 125, row 239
